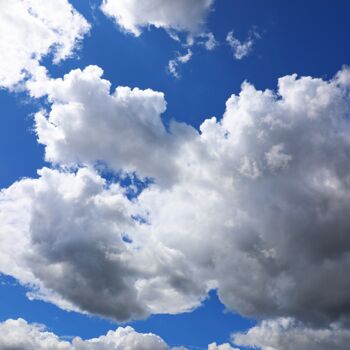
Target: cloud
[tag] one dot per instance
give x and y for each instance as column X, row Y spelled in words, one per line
column 31, row 30
column 287, row 334
column 207, row 40
column 283, row 217
column 135, row 15
column 226, row 346
column 129, row 120
column 173, row 65
column 68, row 247
column 20, row 335
column 277, row 334
column 254, row 204
column 176, row 17
column 241, row 49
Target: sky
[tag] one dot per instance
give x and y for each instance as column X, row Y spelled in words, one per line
column 174, row 175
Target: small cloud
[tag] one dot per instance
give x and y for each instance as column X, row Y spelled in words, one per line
column 173, row 65
column 242, row 49
column 207, row 40
column 204, row 39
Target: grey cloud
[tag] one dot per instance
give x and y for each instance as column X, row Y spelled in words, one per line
column 69, row 246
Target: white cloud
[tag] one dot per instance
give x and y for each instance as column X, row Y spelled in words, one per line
column 20, row 335
column 32, row 29
column 173, row 65
column 276, row 334
column 241, row 49
column 249, row 205
column 287, row 334
column 208, row 41
column 129, row 119
column 226, row 346
column 133, row 16
column 181, row 15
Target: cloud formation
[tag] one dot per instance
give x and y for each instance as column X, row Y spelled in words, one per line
column 83, row 109
column 69, row 243
column 262, row 194
column 20, row 335
column 33, row 29
column 277, row 334
column 241, row 49
column 287, row 334
column 181, row 15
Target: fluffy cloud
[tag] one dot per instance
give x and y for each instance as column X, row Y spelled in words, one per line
column 255, row 204
column 134, row 137
column 32, row 29
column 19, row 335
column 181, row 15
column 70, row 246
column 277, row 334
column 283, row 165
column 287, row 334
column 241, row 49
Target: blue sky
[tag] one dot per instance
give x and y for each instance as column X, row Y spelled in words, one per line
column 308, row 38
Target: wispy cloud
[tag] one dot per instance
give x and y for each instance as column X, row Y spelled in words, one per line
column 242, row 49
column 174, row 64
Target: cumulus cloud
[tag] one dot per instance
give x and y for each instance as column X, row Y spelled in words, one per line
column 20, row 335
column 287, row 211
column 83, row 109
column 181, row 15
column 32, row 29
column 241, row 49
column 277, row 334
column 254, row 204
column 287, row 334
column 69, row 246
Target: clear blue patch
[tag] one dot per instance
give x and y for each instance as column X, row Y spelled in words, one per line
column 132, row 183
column 126, row 238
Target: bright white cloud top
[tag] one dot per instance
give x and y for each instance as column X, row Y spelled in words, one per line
column 275, row 334
column 263, row 195
column 18, row 334
column 21, row 335
column 287, row 334
column 33, row 29
column 181, row 15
